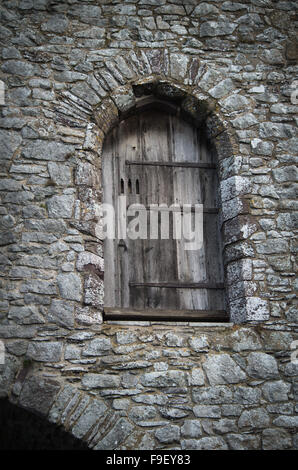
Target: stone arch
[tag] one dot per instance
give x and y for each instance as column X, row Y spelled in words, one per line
column 237, row 224
column 68, row 408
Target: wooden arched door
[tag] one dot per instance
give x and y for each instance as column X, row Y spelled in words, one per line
column 154, row 157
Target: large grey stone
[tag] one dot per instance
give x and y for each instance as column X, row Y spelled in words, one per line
column 254, row 419
column 206, row 443
column 274, row 129
column 61, row 206
column 173, row 413
column 207, row 411
column 142, row 413
column 86, row 259
column 262, row 366
column 222, row 369
column 60, row 174
column 197, row 377
column 17, row 347
column 38, row 287
column 9, row 142
column 126, row 337
column 212, row 395
column 276, row 391
column 199, row 343
column 18, row 67
column 8, row 372
column 244, row 121
column 47, row 150
column 97, row 347
column 168, row 434
column 178, row 65
column 191, row 428
column 90, row 381
column 61, row 313
column 224, row 426
column 290, row 422
column 70, row 286
column 236, row 102
column 276, row 439
column 55, row 24
column 245, row 339
column 27, row 315
column 234, row 186
column 272, row 246
column 246, row 395
column 244, row 441
column 172, row 378
column 285, row 174
column 45, row 351
column 38, row 394
column 214, row 28
column 124, row 99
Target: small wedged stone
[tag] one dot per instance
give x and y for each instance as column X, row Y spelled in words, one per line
column 122, row 429
column 95, row 410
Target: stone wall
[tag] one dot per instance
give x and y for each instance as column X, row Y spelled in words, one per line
column 72, row 70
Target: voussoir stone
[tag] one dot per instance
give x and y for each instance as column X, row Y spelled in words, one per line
column 95, row 410
column 122, row 429
column 38, row 394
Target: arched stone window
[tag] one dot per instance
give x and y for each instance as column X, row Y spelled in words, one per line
column 164, row 164
column 150, row 134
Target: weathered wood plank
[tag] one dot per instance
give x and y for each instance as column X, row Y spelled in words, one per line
column 207, row 166
column 163, row 314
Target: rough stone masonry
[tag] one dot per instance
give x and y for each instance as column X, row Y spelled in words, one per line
column 71, row 70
